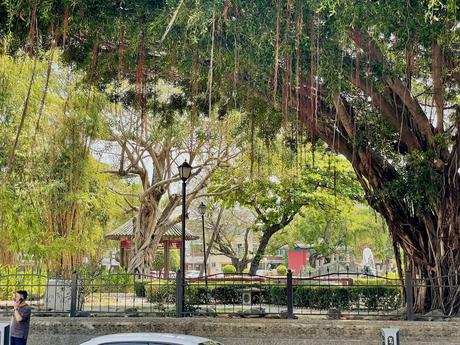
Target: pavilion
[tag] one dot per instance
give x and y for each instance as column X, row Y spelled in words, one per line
column 172, row 239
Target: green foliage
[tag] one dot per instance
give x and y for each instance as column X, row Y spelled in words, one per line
column 161, row 294
column 351, row 226
column 419, row 182
column 229, row 269
column 281, row 270
column 13, row 279
column 105, row 281
column 55, row 202
column 159, row 263
column 371, row 298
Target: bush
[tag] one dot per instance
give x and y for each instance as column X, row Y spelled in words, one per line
column 161, row 294
column 281, row 270
column 372, row 298
column 375, row 281
column 103, row 281
column 246, row 270
column 229, row 269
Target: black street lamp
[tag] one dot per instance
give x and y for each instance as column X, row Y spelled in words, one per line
column 202, row 210
column 185, row 170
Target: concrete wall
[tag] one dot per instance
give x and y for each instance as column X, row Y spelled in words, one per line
column 67, row 331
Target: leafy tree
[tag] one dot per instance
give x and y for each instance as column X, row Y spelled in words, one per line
column 151, row 152
column 277, row 196
column 349, row 225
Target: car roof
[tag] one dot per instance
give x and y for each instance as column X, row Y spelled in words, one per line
column 147, row 337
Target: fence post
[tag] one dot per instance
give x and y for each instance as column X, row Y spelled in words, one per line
column 290, row 301
column 73, row 294
column 179, row 296
column 409, row 296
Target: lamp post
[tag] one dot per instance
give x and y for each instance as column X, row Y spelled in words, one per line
column 185, row 171
column 202, row 210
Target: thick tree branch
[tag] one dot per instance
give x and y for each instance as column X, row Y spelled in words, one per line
column 364, row 41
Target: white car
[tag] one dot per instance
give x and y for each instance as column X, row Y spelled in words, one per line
column 262, row 272
column 149, row 339
column 192, row 274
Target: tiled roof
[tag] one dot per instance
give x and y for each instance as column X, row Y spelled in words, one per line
column 127, row 230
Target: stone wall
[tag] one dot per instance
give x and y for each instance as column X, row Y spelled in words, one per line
column 67, row 331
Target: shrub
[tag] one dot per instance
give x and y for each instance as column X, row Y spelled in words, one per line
column 229, row 269
column 161, row 294
column 375, row 281
column 281, row 270
column 106, row 281
column 246, row 270
column 372, row 298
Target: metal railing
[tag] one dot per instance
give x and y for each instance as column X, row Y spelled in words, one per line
column 47, row 292
column 85, row 293
column 332, row 294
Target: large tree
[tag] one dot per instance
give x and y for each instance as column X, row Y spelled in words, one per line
column 153, row 155
column 376, row 80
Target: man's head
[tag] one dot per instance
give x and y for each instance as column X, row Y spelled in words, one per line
column 20, row 295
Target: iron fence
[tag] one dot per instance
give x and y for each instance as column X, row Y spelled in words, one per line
column 332, row 294
column 97, row 292
column 47, row 292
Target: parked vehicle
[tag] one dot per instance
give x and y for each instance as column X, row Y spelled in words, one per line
column 192, row 274
column 262, row 272
column 149, row 339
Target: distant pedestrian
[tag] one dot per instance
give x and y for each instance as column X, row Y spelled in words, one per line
column 20, row 321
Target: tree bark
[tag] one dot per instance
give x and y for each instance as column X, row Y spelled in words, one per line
column 263, row 246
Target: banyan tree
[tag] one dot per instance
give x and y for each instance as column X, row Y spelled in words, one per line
column 376, row 81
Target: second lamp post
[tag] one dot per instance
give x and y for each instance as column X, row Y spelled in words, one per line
column 202, row 210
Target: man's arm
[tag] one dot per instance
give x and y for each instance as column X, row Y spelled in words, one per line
column 17, row 315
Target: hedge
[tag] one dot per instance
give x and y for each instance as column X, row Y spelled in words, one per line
column 372, row 298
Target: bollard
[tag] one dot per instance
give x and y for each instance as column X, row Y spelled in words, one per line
column 390, row 336
column 4, row 334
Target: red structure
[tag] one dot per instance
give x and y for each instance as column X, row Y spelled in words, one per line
column 297, row 259
column 172, row 239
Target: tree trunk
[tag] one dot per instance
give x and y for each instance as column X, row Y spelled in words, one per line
column 262, row 247
column 431, row 243
column 210, row 244
column 150, row 225
column 240, row 264
column 144, row 225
